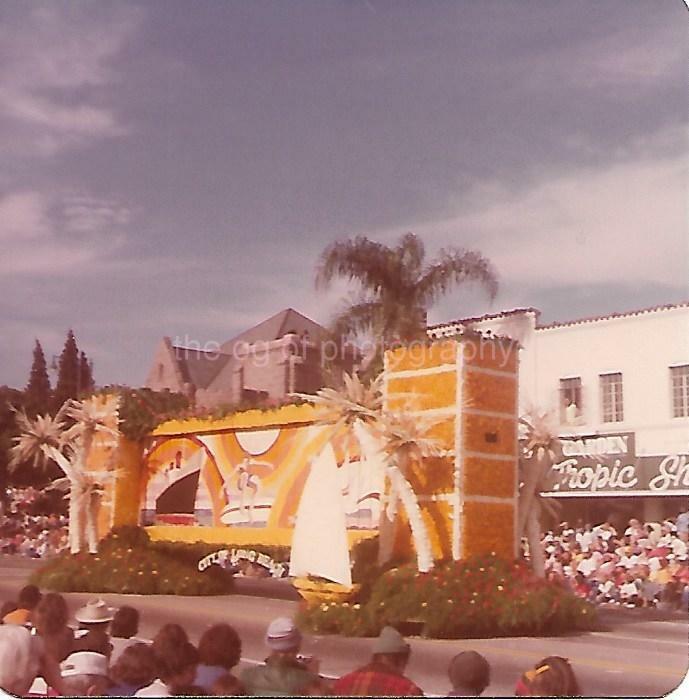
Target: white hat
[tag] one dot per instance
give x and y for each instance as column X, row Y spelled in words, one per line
column 93, row 612
column 283, row 635
column 81, row 663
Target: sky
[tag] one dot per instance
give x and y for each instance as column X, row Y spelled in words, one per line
column 175, row 168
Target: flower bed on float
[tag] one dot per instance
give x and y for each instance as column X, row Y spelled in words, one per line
column 480, row 597
column 128, row 562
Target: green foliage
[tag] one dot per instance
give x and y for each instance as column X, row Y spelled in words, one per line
column 9, row 399
column 141, row 410
column 86, row 383
column 38, row 394
column 479, row 597
column 67, row 386
column 128, row 562
column 397, row 285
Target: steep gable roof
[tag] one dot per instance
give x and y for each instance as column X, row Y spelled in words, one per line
column 199, row 367
column 285, row 321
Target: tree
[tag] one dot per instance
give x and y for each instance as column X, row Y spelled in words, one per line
column 396, row 287
column 67, row 386
column 37, row 394
column 86, row 383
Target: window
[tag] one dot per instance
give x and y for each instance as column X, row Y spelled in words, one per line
column 680, row 391
column 611, row 397
column 570, row 401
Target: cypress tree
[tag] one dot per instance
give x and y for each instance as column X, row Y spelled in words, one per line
column 37, row 394
column 86, row 383
column 67, row 386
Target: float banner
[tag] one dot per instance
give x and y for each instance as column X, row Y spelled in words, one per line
column 606, row 465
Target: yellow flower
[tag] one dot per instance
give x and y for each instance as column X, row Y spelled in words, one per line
column 472, row 602
column 500, row 588
column 356, row 606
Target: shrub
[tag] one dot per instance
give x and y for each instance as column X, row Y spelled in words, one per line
column 479, row 597
column 129, row 563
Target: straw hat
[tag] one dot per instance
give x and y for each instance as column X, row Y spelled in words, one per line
column 94, row 611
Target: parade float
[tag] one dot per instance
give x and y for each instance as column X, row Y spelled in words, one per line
column 390, row 502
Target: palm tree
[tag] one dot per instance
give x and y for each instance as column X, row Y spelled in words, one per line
column 48, row 438
column 396, row 286
column 391, row 441
column 540, row 450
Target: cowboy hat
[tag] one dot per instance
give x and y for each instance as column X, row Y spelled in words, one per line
column 94, row 611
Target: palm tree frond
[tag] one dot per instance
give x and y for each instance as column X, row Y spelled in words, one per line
column 359, row 259
column 34, row 436
column 453, row 267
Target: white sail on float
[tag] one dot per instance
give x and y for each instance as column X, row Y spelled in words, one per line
column 319, row 544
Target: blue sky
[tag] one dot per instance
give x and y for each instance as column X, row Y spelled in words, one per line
column 169, row 168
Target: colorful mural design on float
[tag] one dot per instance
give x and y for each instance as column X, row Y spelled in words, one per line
column 252, row 478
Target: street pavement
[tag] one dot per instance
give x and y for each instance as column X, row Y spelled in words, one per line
column 632, row 655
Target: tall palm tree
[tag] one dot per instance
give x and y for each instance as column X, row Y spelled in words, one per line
column 396, row 286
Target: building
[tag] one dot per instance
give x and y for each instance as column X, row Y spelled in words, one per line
column 284, row 354
column 618, row 388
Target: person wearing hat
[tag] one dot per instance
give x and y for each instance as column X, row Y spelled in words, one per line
column 469, row 673
column 85, row 674
column 283, row 674
column 94, row 619
column 384, row 674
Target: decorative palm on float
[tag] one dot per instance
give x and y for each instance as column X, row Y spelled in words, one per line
column 49, row 438
column 540, row 450
column 390, row 442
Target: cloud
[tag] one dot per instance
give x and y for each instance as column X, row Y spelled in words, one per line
column 51, row 234
column 583, row 226
column 51, row 95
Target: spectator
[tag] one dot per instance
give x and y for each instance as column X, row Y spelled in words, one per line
column 51, row 625
column 469, row 673
column 136, row 667
column 551, row 677
column 85, row 674
column 282, row 674
column 7, row 607
column 227, row 685
column 384, row 674
column 94, row 619
column 29, row 597
column 219, row 651
column 19, row 660
column 176, row 669
column 123, row 630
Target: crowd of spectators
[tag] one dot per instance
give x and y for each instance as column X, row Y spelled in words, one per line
column 26, row 532
column 644, row 565
column 100, row 654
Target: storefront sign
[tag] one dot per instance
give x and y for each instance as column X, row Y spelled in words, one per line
column 607, row 465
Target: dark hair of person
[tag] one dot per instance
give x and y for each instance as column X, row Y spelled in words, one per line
column 136, row 665
column 552, row 677
column 51, row 614
column 29, row 597
column 125, row 622
column 170, row 635
column 227, row 685
column 7, row 607
column 188, row 691
column 174, row 659
column 220, row 645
